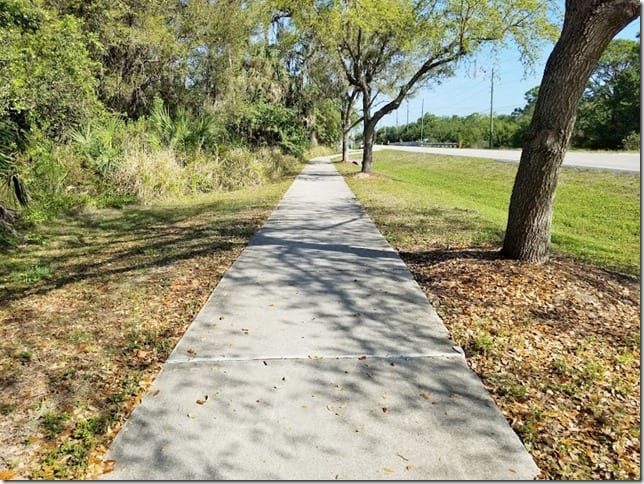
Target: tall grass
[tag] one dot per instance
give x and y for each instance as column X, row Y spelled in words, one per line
column 110, row 162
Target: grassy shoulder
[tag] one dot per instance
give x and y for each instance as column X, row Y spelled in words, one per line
column 455, row 201
column 91, row 305
column 557, row 345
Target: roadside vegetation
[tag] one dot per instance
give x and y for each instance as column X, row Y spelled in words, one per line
column 608, row 116
column 558, row 344
column 143, row 143
column 91, row 307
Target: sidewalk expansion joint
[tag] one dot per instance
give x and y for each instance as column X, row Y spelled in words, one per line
column 457, row 353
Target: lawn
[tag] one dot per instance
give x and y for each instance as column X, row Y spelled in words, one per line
column 557, row 345
column 455, row 201
column 91, row 306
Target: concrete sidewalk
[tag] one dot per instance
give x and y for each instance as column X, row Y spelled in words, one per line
column 318, row 357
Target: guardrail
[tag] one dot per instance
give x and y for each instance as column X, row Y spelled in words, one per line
column 428, row 145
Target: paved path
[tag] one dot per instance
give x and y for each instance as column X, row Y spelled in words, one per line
column 321, row 359
column 603, row 161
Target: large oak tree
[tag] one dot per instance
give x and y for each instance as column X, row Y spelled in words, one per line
column 589, row 26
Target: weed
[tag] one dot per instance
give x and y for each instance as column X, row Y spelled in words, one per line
column 483, row 342
column 67, row 373
column 69, row 459
column 80, row 337
column 53, row 423
column 34, row 274
column 24, row 356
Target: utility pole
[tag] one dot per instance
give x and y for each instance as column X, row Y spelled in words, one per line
column 491, row 108
column 422, row 120
column 407, row 125
column 397, row 132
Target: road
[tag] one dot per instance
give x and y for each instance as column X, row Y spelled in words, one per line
column 603, row 161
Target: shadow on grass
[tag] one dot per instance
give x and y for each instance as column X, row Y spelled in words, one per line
column 434, row 226
column 436, row 256
column 111, row 242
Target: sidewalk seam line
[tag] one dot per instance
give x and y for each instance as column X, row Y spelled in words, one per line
column 455, row 354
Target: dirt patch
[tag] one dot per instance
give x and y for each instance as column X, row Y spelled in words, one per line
column 369, row 176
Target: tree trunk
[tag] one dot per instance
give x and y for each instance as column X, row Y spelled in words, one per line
column 345, row 145
column 367, row 153
column 588, row 28
column 368, row 130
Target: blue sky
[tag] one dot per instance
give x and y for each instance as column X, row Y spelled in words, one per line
column 467, row 92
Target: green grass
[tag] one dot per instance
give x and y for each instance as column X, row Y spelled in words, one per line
column 138, row 237
column 440, row 201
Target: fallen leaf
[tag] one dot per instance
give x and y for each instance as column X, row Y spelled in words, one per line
column 362, row 358
column 156, row 392
column 425, row 396
column 387, row 469
column 385, row 409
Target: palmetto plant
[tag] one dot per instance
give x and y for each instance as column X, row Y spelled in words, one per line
column 185, row 130
column 12, row 141
column 100, row 144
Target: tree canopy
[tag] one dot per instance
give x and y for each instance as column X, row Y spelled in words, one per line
column 388, row 48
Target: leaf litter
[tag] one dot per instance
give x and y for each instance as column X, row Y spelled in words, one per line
column 87, row 342
column 557, row 345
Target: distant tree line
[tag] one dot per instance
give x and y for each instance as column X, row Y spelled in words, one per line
column 608, row 116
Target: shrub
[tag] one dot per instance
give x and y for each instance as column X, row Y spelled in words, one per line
column 100, row 144
column 632, row 141
column 56, row 179
column 275, row 125
column 184, row 131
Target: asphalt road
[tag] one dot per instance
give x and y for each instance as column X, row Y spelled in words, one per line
column 603, row 161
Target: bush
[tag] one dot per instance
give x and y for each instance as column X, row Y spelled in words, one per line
column 101, row 144
column 185, row 131
column 46, row 72
column 56, row 179
column 273, row 125
column 632, row 142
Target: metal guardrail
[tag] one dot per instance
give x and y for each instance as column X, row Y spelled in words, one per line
column 428, row 145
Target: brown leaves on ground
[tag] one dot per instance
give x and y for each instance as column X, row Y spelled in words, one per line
column 78, row 350
column 558, row 347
